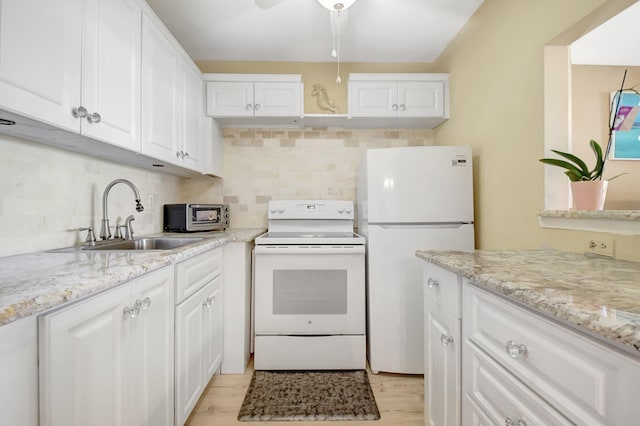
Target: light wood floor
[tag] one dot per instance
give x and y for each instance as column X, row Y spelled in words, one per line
column 400, row 399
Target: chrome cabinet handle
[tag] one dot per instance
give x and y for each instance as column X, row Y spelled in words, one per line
column 509, row 422
column 257, row 107
column 79, row 112
column 514, row 350
column 94, row 118
column 431, row 283
column 146, row 303
column 209, row 301
column 394, row 107
column 186, row 155
column 446, row 339
column 133, row 311
column 180, row 154
column 403, row 107
column 249, row 106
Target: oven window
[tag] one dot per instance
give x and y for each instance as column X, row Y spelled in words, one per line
column 205, row 215
column 310, row 291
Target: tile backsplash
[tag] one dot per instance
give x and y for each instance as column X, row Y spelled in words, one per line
column 46, row 194
column 265, row 164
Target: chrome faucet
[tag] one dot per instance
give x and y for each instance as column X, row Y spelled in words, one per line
column 105, row 232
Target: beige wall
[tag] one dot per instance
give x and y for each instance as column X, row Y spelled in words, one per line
column 48, row 193
column 260, row 165
column 321, row 72
column 591, row 91
column 496, row 80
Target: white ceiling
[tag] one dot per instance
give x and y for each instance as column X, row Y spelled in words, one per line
column 615, row 42
column 300, row 30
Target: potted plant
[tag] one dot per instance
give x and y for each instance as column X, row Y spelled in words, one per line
column 588, row 189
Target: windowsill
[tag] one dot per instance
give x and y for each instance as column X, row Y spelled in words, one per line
column 624, row 222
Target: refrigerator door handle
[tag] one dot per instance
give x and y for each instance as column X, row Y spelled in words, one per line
column 442, row 225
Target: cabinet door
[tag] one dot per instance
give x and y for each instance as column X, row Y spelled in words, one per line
column 111, row 71
column 189, row 365
column 160, row 99
column 40, row 55
column 213, row 332
column 442, row 366
column 85, row 363
column 277, row 99
column 153, row 349
column 192, row 113
column 420, row 99
column 373, row 99
column 229, row 99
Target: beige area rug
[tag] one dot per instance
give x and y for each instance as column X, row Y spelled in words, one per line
column 309, row 396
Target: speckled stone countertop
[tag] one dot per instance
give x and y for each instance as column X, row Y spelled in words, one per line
column 598, row 296
column 36, row 282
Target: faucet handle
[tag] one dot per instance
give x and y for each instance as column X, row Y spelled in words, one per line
column 118, row 233
column 91, row 238
column 128, row 230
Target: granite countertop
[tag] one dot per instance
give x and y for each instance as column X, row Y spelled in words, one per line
column 598, row 296
column 36, row 282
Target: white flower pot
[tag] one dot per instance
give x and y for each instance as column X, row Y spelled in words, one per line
column 589, row 194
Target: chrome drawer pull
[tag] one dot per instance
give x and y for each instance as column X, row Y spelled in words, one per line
column 146, row 303
column 431, row 283
column 446, row 339
column 514, row 350
column 133, row 311
column 509, row 422
column 210, row 301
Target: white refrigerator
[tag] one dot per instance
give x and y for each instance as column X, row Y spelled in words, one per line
column 409, row 198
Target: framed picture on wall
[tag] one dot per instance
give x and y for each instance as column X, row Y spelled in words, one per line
column 626, row 126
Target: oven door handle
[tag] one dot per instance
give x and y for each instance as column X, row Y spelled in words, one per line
column 310, row 249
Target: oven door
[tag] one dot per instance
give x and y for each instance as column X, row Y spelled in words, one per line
column 309, row 290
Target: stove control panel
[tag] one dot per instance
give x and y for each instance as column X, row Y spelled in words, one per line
column 310, row 209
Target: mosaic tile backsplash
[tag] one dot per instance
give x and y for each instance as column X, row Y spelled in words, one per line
column 261, row 165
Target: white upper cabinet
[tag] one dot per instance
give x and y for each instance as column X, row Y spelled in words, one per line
column 55, row 60
column 160, row 69
column 40, row 59
column 254, row 95
column 111, row 72
column 404, row 100
column 172, row 102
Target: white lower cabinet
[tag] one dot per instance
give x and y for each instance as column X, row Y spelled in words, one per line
column 587, row 382
column 513, row 366
column 442, row 346
column 442, row 366
column 237, row 300
column 109, row 360
column 19, row 373
column 199, row 328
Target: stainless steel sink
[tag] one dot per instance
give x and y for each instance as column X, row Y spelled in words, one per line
column 147, row 243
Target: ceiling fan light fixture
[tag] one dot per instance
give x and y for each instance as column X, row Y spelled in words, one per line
column 336, row 5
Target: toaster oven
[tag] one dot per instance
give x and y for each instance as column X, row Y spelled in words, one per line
column 196, row 217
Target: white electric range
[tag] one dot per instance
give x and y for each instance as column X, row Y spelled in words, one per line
column 309, row 288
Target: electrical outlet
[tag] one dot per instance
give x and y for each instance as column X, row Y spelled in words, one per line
column 151, row 202
column 601, row 246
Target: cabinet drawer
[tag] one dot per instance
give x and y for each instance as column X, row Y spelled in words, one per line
column 193, row 273
column 442, row 287
column 493, row 396
column 584, row 380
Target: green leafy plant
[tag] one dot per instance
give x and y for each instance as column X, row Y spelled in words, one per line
column 577, row 169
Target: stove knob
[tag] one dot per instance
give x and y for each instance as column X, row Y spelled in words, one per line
column 273, row 210
column 340, row 210
column 281, row 210
column 347, row 209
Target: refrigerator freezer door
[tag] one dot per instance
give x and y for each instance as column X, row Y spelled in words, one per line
column 395, row 293
column 425, row 184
